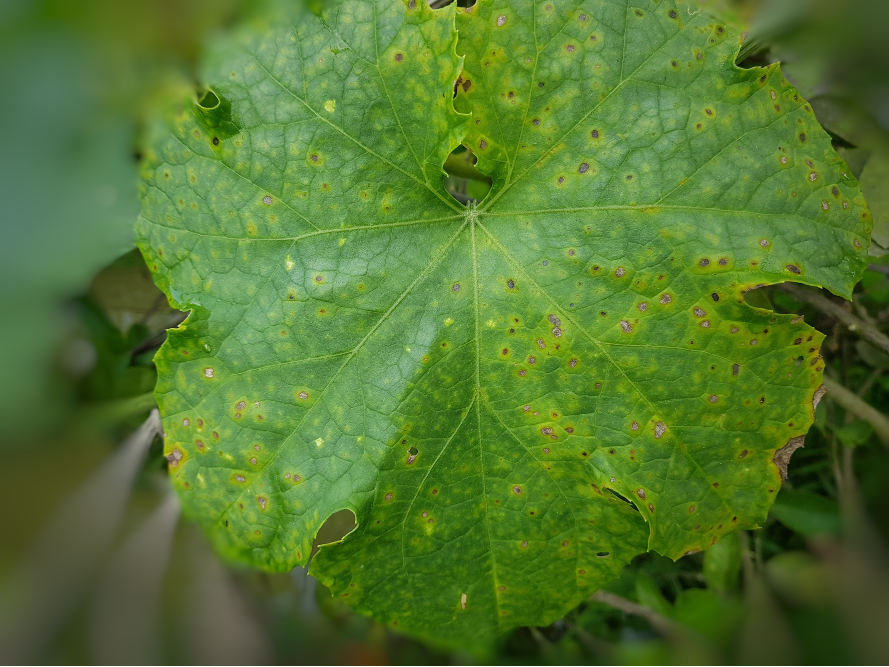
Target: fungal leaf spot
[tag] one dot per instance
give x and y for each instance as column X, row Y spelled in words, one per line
column 537, row 363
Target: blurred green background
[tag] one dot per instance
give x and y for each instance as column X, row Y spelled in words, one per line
column 96, row 565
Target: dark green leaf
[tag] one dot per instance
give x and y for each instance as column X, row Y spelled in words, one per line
column 513, row 398
column 855, row 433
column 722, row 565
column 806, row 513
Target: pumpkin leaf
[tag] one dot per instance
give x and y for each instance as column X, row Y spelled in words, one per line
column 514, row 397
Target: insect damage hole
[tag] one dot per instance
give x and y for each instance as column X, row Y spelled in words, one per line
column 462, row 180
column 335, row 528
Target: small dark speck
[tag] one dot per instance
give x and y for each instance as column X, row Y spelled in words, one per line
column 456, row 287
column 215, row 141
column 545, row 263
column 704, row 262
column 584, row 167
column 510, row 283
column 536, row 121
column 673, row 14
column 541, row 84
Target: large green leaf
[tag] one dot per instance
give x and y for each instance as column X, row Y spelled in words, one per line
column 486, row 388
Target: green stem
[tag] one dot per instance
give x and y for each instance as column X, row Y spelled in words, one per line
column 665, row 626
column 850, row 401
column 825, row 305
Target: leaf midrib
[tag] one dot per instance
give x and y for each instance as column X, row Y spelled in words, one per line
column 351, row 355
column 448, row 201
column 510, row 183
column 443, row 253
column 655, row 412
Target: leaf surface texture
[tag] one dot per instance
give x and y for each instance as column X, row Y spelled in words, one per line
column 513, row 398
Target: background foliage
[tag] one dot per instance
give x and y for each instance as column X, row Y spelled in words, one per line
column 94, row 564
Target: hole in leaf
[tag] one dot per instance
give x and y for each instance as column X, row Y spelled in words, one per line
column 215, row 114
column 208, row 100
column 338, row 525
column 463, row 181
column 620, row 497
